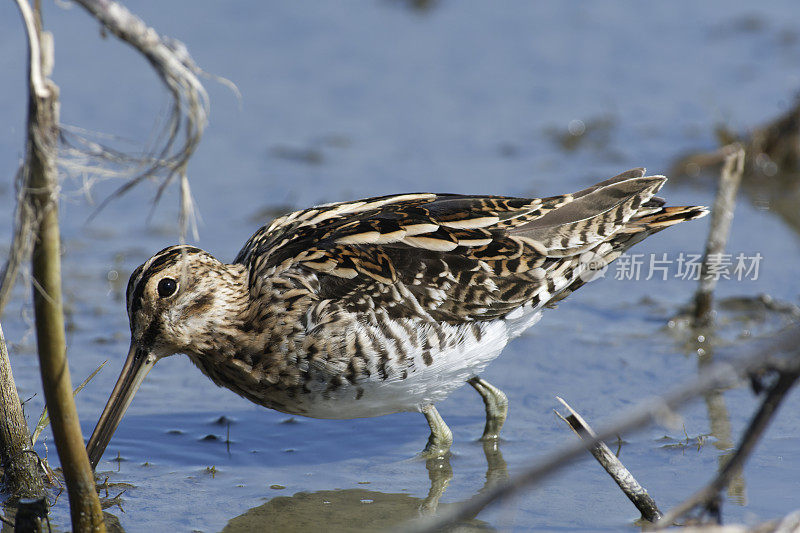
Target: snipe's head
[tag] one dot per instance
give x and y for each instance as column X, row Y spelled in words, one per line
column 176, row 300
column 179, row 298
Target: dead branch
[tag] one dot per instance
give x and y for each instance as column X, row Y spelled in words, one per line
column 779, row 141
column 772, row 148
column 781, row 354
column 721, row 219
column 171, row 60
column 24, row 217
column 708, row 498
column 21, row 241
column 611, row 463
column 20, row 466
column 188, row 116
column 41, row 181
column 44, row 418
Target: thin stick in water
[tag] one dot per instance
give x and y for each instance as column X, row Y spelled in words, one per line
column 611, row 463
column 708, row 496
column 781, row 353
column 721, row 219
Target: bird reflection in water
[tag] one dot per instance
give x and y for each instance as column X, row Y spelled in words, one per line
column 365, row 510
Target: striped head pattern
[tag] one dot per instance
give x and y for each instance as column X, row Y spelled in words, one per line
column 175, row 300
column 178, row 295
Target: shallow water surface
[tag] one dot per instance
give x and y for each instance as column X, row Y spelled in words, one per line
column 345, row 100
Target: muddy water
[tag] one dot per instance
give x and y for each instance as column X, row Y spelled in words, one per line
column 350, row 100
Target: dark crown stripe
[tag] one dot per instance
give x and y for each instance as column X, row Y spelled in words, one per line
column 157, row 263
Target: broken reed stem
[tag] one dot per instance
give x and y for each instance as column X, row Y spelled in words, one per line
column 42, row 182
column 189, row 110
column 21, row 243
column 186, row 120
column 20, row 465
column 621, row 475
column 708, row 496
column 721, row 219
column 44, row 418
column 31, row 512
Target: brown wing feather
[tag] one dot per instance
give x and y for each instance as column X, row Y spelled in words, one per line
column 461, row 257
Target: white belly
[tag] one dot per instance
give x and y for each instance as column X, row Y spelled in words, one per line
column 424, row 384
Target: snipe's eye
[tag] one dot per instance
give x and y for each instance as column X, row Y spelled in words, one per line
column 167, row 287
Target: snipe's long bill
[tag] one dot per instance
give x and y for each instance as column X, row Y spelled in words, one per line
column 380, row 305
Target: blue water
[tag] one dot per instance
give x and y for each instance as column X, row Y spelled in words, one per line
column 345, row 100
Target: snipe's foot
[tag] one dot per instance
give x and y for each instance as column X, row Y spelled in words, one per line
column 441, row 437
column 496, row 403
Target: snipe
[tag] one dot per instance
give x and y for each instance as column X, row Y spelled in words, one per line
column 380, row 305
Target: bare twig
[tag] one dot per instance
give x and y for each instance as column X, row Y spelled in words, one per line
column 782, row 354
column 172, row 62
column 721, row 218
column 772, row 148
column 22, row 239
column 188, row 115
column 44, row 418
column 708, row 497
column 779, row 141
column 39, row 85
column 621, row 475
column 21, row 244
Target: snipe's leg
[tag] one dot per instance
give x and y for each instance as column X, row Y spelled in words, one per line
column 496, row 403
column 441, row 437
